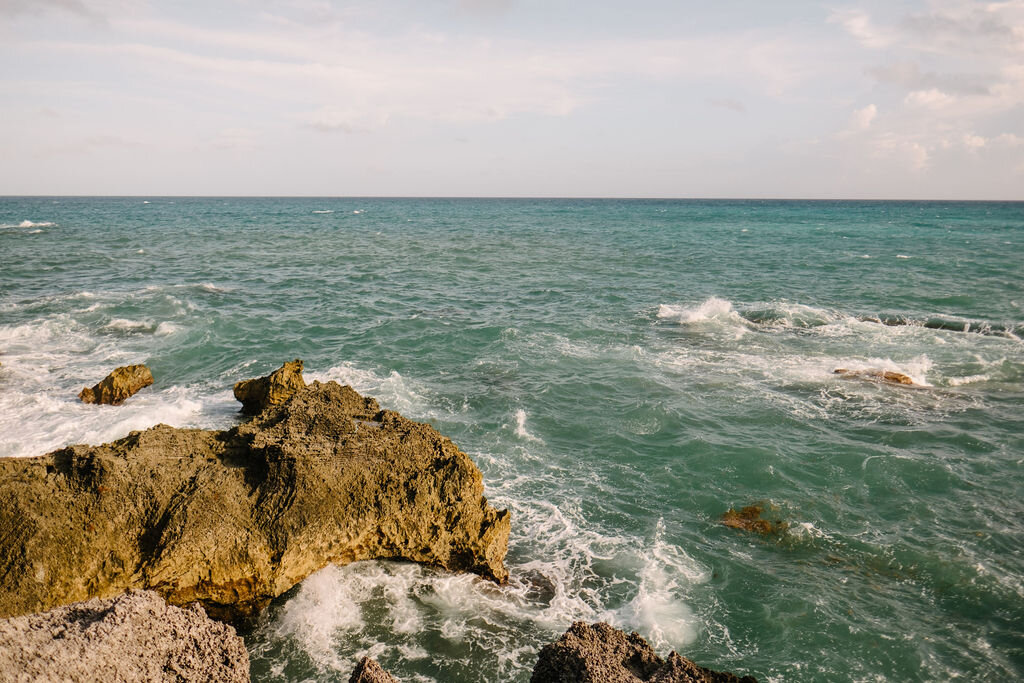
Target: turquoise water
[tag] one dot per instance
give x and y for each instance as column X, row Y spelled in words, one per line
column 623, row 372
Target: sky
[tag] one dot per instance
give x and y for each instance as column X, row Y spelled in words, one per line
column 901, row 99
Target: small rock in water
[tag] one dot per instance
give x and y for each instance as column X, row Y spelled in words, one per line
column 118, row 385
column 885, row 375
column 259, row 394
column 369, row 671
column 749, row 519
column 599, row 653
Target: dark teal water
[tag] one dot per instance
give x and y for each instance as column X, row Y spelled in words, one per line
column 623, row 372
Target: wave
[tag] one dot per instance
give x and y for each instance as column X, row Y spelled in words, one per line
column 785, row 315
column 520, row 429
column 29, row 224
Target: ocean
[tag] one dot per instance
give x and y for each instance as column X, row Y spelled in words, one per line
column 623, row 372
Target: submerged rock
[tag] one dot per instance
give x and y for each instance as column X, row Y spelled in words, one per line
column 749, row 519
column 233, row 519
column 884, row 375
column 601, row 654
column 369, row 671
column 133, row 637
column 259, row 394
column 120, row 384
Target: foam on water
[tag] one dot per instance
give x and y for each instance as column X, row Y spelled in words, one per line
column 392, row 391
column 520, row 430
column 29, row 224
column 711, row 309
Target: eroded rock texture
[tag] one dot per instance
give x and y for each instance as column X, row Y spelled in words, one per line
column 233, row 519
column 259, row 394
column 599, row 653
column 119, row 385
column 133, row 637
column 369, row 671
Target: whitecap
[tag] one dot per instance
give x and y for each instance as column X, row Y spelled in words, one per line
column 711, row 309
column 324, row 211
column 520, row 430
column 902, row 256
column 392, row 390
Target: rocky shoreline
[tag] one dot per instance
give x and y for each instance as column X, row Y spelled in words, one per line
column 222, row 522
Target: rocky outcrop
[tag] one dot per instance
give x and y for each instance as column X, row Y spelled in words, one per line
column 259, row 394
column 884, row 375
column 233, row 519
column 369, row 671
column 602, row 654
column 133, row 637
column 116, row 387
column 749, row 519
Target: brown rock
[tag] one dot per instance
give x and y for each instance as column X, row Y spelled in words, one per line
column 118, row 385
column 749, row 519
column 133, row 637
column 884, row 375
column 233, row 519
column 601, row 654
column 369, row 671
column 259, row 394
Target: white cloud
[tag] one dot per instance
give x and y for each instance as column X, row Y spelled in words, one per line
column 932, row 98
column 973, row 142
column 862, row 118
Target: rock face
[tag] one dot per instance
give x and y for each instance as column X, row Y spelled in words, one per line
column 369, row 671
column 884, row 375
column 602, row 654
column 118, row 385
column 233, row 519
column 259, row 394
column 133, row 637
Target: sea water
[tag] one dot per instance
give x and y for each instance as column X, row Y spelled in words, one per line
column 623, row 373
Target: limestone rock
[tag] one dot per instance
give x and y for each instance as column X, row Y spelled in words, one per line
column 233, row 519
column 884, row 375
column 602, row 654
column 118, row 385
column 369, row 671
column 259, row 394
column 133, row 637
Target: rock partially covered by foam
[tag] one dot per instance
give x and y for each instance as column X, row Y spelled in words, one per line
column 599, row 653
column 233, row 519
column 259, row 394
column 133, row 637
column 116, row 387
column 369, row 671
column 884, row 375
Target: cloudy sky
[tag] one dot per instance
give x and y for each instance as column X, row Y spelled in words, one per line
column 744, row 98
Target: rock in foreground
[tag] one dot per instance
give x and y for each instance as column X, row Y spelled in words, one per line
column 133, row 637
column 259, row 394
column 369, row 671
column 602, row 654
column 233, row 519
column 119, row 385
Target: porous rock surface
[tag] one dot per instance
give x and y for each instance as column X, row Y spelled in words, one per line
column 890, row 376
column 133, row 637
column 598, row 653
column 233, row 519
column 259, row 394
column 369, row 671
column 119, row 385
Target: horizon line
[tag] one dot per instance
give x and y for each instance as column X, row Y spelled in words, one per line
column 502, row 197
